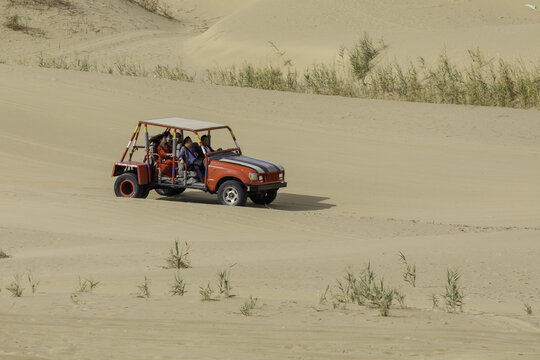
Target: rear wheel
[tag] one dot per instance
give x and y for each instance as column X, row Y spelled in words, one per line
column 264, row 198
column 232, row 193
column 127, row 185
column 169, row 191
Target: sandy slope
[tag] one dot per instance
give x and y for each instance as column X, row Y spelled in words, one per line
column 215, row 32
column 448, row 185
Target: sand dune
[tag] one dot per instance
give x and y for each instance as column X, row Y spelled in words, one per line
column 449, row 186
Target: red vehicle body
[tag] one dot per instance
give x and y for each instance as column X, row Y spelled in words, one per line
column 227, row 172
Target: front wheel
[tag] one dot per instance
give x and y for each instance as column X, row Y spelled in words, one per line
column 169, row 191
column 264, row 198
column 232, row 193
column 127, row 185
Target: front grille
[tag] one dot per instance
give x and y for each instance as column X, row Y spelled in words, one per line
column 270, row 177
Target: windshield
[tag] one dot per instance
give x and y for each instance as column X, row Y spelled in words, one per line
column 220, row 139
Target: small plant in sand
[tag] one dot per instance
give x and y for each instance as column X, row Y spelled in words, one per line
column 86, row 285
column 528, row 309
column 323, row 297
column 249, row 305
column 224, row 284
column 434, row 301
column 32, row 282
column 178, row 286
column 207, row 293
column 15, row 287
column 363, row 289
column 144, row 289
column 3, row 255
column 179, row 257
column 453, row 297
column 409, row 275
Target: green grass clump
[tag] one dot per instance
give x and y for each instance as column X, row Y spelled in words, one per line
column 78, row 64
column 266, row 78
column 206, row 293
column 249, row 305
column 528, row 309
column 32, row 282
column 144, row 289
column 86, row 285
column 409, row 275
column 15, row 287
column 4, row 255
column 179, row 256
column 178, row 286
column 175, row 73
column 453, row 297
column 364, row 289
column 224, row 284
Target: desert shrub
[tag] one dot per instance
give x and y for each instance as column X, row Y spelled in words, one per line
column 266, row 78
column 249, row 305
column 178, row 287
column 4, row 255
column 528, row 309
column 224, row 284
column 409, row 275
column 86, row 285
column 363, row 55
column 144, row 289
column 363, row 289
column 179, row 256
column 176, row 73
column 15, row 287
column 453, row 297
column 206, row 293
column 32, row 282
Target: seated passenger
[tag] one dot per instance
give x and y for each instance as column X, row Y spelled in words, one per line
column 205, row 139
column 164, row 151
column 189, row 158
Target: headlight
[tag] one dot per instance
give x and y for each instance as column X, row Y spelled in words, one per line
column 260, row 178
column 253, row 176
column 281, row 176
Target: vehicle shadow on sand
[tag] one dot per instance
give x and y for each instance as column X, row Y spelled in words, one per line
column 284, row 202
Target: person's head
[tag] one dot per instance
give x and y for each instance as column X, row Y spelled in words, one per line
column 166, row 139
column 188, row 142
column 179, row 136
column 205, row 139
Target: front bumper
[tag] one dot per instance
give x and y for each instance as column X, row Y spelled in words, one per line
column 265, row 187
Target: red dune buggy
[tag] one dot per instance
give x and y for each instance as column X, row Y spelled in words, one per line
column 227, row 172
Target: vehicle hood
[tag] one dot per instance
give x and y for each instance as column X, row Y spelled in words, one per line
column 258, row 165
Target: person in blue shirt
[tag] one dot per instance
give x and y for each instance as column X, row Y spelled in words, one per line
column 188, row 156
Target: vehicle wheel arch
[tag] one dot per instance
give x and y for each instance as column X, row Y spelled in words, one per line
column 227, row 178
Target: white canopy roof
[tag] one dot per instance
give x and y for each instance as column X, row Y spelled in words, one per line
column 181, row 123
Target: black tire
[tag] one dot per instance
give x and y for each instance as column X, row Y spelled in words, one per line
column 264, row 198
column 169, row 191
column 127, row 185
column 145, row 191
column 232, row 193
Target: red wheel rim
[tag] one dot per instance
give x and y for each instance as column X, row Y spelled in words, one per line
column 127, row 188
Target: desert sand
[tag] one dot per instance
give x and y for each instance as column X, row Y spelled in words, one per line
column 449, row 186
